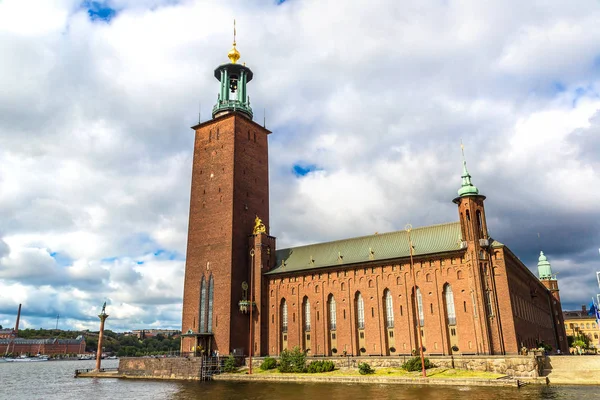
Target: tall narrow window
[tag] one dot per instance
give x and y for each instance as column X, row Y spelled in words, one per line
column 450, row 312
column 306, row 314
column 389, row 309
column 332, row 317
column 211, row 287
column 479, row 223
column 468, row 223
column 202, row 317
column 489, row 304
column 284, row 317
column 420, row 308
column 360, row 308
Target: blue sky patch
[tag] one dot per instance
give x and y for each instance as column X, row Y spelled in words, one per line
column 99, row 11
column 167, row 255
column 303, row 170
column 62, row 260
column 279, row 2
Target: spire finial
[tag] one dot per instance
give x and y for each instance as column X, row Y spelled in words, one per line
column 467, row 187
column 233, row 54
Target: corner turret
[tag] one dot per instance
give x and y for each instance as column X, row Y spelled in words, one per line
column 544, row 268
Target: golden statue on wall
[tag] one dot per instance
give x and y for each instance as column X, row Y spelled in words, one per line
column 259, row 227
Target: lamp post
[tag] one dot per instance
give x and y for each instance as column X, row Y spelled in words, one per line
column 103, row 316
column 408, row 228
column 250, row 345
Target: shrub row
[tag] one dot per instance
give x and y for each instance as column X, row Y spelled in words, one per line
column 414, row 364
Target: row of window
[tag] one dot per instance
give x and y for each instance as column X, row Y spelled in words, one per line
column 360, row 310
column 528, row 311
column 586, row 326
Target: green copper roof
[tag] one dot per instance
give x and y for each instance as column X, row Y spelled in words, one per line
column 467, row 188
column 544, row 268
column 426, row 240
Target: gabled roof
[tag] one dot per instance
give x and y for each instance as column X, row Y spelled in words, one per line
column 379, row 247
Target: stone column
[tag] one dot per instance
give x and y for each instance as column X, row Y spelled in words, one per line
column 103, row 315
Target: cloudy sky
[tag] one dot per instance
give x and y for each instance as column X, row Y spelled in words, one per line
column 367, row 101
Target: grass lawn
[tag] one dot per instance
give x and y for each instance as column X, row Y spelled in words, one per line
column 442, row 373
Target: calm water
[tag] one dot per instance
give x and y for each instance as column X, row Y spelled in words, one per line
column 54, row 380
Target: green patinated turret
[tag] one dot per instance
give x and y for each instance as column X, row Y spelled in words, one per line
column 233, row 78
column 544, row 268
column 467, row 188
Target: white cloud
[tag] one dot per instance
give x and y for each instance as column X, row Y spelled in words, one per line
column 96, row 150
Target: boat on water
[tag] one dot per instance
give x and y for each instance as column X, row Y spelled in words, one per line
column 37, row 358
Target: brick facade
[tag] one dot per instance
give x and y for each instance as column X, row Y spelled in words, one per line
column 499, row 305
column 42, row 346
column 230, row 187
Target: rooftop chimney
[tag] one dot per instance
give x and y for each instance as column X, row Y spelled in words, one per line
column 583, row 309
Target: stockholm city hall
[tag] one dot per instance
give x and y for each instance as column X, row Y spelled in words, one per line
column 459, row 292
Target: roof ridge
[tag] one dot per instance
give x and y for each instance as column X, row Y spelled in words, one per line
column 368, row 236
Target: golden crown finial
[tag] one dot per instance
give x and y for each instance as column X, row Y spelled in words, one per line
column 233, row 54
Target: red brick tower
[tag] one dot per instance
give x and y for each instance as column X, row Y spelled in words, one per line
column 477, row 244
column 230, row 187
column 549, row 281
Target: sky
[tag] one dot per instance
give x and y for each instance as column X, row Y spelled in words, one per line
column 368, row 102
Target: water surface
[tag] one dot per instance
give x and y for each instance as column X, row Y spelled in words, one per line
column 54, row 380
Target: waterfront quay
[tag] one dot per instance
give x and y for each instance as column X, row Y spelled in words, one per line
column 514, row 371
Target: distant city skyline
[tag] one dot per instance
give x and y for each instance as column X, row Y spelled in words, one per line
column 368, row 108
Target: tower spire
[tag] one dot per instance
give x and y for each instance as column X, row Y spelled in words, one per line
column 467, row 188
column 233, row 96
column 233, row 54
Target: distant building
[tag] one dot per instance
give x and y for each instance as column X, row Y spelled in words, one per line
column 458, row 290
column 148, row 333
column 579, row 322
column 6, row 333
column 43, row 346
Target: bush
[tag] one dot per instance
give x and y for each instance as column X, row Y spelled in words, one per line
column 268, row 363
column 230, row 364
column 292, row 361
column 365, row 369
column 414, row 364
column 320, row 366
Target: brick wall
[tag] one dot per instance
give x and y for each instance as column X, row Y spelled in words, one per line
column 161, row 368
column 229, row 188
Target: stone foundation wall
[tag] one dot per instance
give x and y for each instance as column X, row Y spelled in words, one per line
column 160, row 368
column 514, row 366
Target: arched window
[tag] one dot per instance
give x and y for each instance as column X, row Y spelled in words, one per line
column 420, row 308
column 389, row 310
column 360, row 314
column 450, row 312
column 202, row 317
column 479, row 223
column 211, row 287
column 332, row 310
column 284, row 316
column 459, row 274
column 306, row 314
